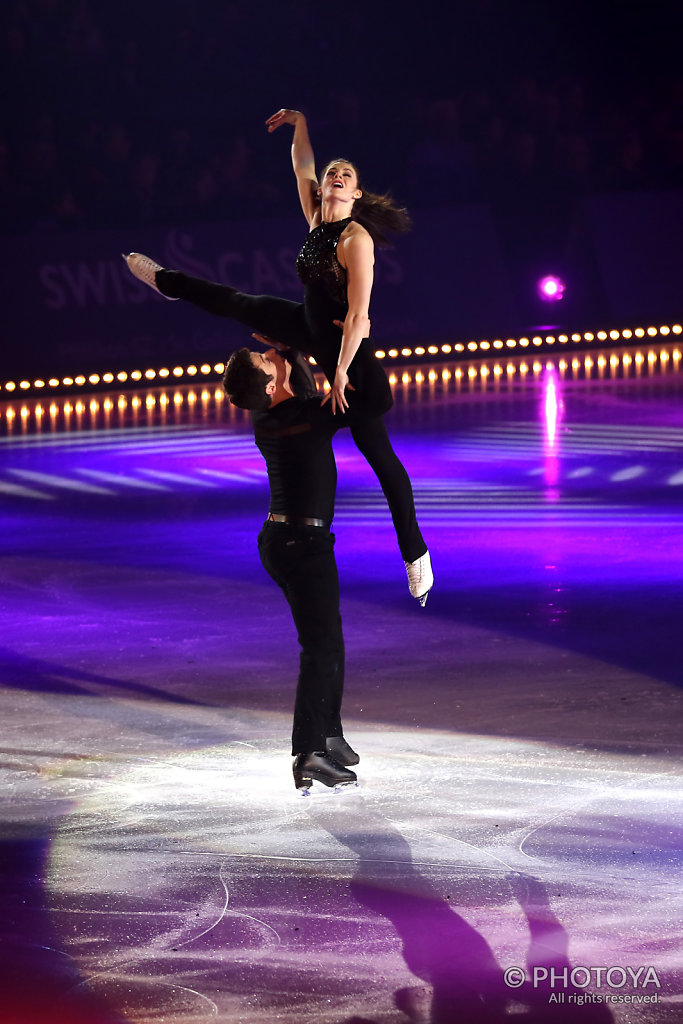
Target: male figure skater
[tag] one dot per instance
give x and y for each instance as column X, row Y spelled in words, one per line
column 296, row 547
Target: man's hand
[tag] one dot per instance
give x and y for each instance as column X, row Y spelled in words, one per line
column 270, row 342
column 340, row 323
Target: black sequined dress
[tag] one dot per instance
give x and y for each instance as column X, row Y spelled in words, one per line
column 325, row 298
column 318, row 267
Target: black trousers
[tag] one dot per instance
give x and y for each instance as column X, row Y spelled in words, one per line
column 287, row 322
column 301, row 561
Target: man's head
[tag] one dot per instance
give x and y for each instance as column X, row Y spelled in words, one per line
column 255, row 380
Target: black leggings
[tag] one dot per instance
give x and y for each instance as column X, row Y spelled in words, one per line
column 286, row 322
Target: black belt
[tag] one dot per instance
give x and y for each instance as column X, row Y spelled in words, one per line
column 275, row 517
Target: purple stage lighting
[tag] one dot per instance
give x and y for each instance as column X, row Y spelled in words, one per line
column 551, row 288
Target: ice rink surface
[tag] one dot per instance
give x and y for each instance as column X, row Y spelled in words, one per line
column 513, row 849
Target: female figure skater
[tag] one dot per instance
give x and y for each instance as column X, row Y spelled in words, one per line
column 336, row 263
column 336, row 266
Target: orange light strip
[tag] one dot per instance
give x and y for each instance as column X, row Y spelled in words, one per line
column 509, row 346
column 483, row 374
column 536, row 341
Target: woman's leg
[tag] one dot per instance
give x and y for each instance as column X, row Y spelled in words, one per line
column 373, row 441
column 279, row 319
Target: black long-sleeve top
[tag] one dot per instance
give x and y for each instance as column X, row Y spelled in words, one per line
column 295, row 439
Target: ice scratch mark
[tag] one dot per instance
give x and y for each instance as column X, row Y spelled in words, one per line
column 52, row 949
column 115, row 973
column 569, row 811
column 238, row 913
column 314, row 860
column 452, row 839
column 218, row 920
column 544, row 824
column 224, row 912
column 200, row 995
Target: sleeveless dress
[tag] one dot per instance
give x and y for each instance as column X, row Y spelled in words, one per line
column 325, row 300
column 317, row 265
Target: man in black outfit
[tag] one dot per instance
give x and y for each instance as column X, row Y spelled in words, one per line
column 294, row 435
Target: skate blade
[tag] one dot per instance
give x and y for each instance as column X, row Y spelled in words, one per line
column 339, row 787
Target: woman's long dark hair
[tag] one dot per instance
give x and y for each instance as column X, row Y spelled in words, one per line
column 380, row 215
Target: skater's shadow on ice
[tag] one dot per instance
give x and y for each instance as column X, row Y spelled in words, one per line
column 462, row 980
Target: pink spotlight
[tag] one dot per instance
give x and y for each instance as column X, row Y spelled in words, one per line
column 551, row 288
column 551, row 407
column 551, row 413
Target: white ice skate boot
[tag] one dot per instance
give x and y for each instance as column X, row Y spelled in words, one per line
column 420, row 577
column 145, row 270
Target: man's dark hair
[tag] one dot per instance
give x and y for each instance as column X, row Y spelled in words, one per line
column 244, row 383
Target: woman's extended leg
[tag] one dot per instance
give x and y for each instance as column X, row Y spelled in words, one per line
column 280, row 319
column 373, row 441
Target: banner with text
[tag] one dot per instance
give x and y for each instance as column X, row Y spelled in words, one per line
column 71, row 305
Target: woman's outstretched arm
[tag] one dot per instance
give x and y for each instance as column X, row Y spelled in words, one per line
column 303, row 160
column 357, row 255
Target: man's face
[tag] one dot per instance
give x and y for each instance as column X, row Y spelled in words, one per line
column 272, row 363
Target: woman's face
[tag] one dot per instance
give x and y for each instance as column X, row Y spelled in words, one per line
column 340, row 181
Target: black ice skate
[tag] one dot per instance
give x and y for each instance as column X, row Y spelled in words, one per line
column 320, row 767
column 339, row 750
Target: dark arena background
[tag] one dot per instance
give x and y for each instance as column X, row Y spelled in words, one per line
column 513, row 849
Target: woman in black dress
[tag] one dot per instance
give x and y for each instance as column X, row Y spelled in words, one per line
column 336, row 266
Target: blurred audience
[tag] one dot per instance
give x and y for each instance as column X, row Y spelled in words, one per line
column 104, row 135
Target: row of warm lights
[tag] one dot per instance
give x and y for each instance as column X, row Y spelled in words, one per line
column 108, row 405
column 536, row 367
column 151, row 401
column 124, row 376
column 537, row 340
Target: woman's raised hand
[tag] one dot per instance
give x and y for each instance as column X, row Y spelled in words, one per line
column 283, row 117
